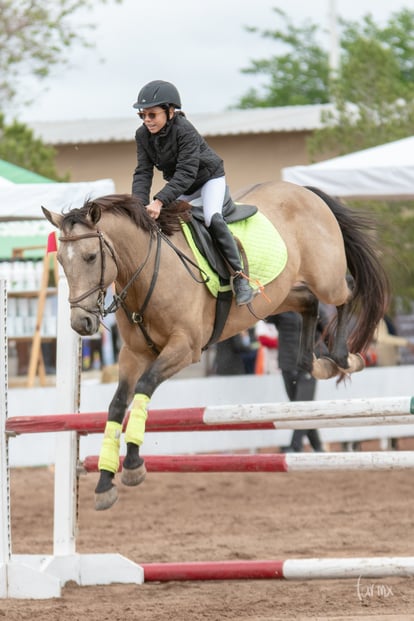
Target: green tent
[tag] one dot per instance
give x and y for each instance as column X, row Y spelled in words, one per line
column 16, row 174
column 24, row 233
column 22, row 193
column 31, row 234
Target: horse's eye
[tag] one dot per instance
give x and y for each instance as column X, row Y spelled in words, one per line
column 90, row 258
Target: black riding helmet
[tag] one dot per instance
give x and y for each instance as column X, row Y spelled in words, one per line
column 157, row 93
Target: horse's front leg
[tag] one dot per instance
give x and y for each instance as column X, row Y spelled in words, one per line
column 105, row 492
column 174, row 357
column 129, row 369
column 133, row 469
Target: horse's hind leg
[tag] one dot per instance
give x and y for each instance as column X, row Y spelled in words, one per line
column 346, row 362
column 325, row 367
column 307, row 341
column 305, row 302
column 339, row 353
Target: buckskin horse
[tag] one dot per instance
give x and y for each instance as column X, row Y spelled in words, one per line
column 166, row 313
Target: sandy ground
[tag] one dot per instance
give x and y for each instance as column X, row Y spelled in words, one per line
column 190, row 517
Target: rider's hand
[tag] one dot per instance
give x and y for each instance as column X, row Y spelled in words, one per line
column 154, row 208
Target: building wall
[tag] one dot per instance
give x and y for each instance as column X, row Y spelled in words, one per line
column 254, row 158
column 248, row 159
column 89, row 162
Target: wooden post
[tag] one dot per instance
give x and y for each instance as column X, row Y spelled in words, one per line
column 36, row 363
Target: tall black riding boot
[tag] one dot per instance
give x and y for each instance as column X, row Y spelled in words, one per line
column 227, row 246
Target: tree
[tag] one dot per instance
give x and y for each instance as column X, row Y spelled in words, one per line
column 299, row 71
column 298, row 76
column 372, row 96
column 376, row 77
column 19, row 146
column 373, row 99
column 35, row 36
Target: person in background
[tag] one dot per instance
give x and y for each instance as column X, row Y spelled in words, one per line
column 388, row 344
column 167, row 141
column 267, row 338
column 299, row 384
column 236, row 355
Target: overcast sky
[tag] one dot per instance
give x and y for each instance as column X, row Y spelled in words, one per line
column 200, row 46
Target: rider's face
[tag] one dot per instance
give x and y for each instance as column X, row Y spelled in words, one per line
column 154, row 118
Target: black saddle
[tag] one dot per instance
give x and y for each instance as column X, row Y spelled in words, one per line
column 232, row 212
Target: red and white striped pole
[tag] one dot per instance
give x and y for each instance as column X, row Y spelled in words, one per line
column 294, row 569
column 271, row 462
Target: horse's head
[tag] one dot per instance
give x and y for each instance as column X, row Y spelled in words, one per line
column 89, row 263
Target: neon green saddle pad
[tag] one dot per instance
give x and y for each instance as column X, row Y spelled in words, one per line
column 265, row 250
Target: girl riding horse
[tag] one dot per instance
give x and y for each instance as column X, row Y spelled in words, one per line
column 168, row 141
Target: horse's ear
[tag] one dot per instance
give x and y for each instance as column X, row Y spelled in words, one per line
column 54, row 218
column 94, row 213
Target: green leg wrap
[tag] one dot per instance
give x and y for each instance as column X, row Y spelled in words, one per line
column 109, row 455
column 136, row 424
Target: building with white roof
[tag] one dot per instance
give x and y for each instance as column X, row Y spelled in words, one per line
column 254, row 144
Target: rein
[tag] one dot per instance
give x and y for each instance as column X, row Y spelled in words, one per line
column 118, row 301
column 185, row 259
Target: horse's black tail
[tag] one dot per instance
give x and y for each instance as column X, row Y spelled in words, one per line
column 371, row 292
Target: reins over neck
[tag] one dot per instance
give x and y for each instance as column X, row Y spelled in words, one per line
column 118, row 301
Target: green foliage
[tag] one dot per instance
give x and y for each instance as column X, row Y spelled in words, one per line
column 373, row 99
column 376, row 63
column 298, row 76
column 396, row 37
column 396, row 240
column 372, row 96
column 19, row 146
column 35, row 36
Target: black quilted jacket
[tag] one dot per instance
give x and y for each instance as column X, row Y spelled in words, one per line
column 183, row 156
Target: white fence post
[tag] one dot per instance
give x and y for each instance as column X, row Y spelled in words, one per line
column 20, row 577
column 5, row 535
column 67, row 384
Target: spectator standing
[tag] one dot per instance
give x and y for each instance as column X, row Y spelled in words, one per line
column 236, row 355
column 388, row 344
column 299, row 384
column 267, row 338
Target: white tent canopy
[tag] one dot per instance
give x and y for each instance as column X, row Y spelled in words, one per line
column 25, row 200
column 386, row 171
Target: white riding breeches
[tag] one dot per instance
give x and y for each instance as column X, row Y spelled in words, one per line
column 212, row 195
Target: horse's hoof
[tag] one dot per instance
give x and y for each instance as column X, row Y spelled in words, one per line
column 105, row 500
column 356, row 363
column 135, row 476
column 324, row 368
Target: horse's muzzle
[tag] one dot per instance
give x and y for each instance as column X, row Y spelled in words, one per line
column 84, row 323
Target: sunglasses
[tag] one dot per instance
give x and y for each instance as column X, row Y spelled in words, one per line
column 150, row 115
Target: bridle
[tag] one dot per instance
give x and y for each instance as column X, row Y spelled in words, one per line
column 103, row 243
column 134, row 317
column 118, row 299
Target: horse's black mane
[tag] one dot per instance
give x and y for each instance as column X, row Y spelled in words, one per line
column 131, row 207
